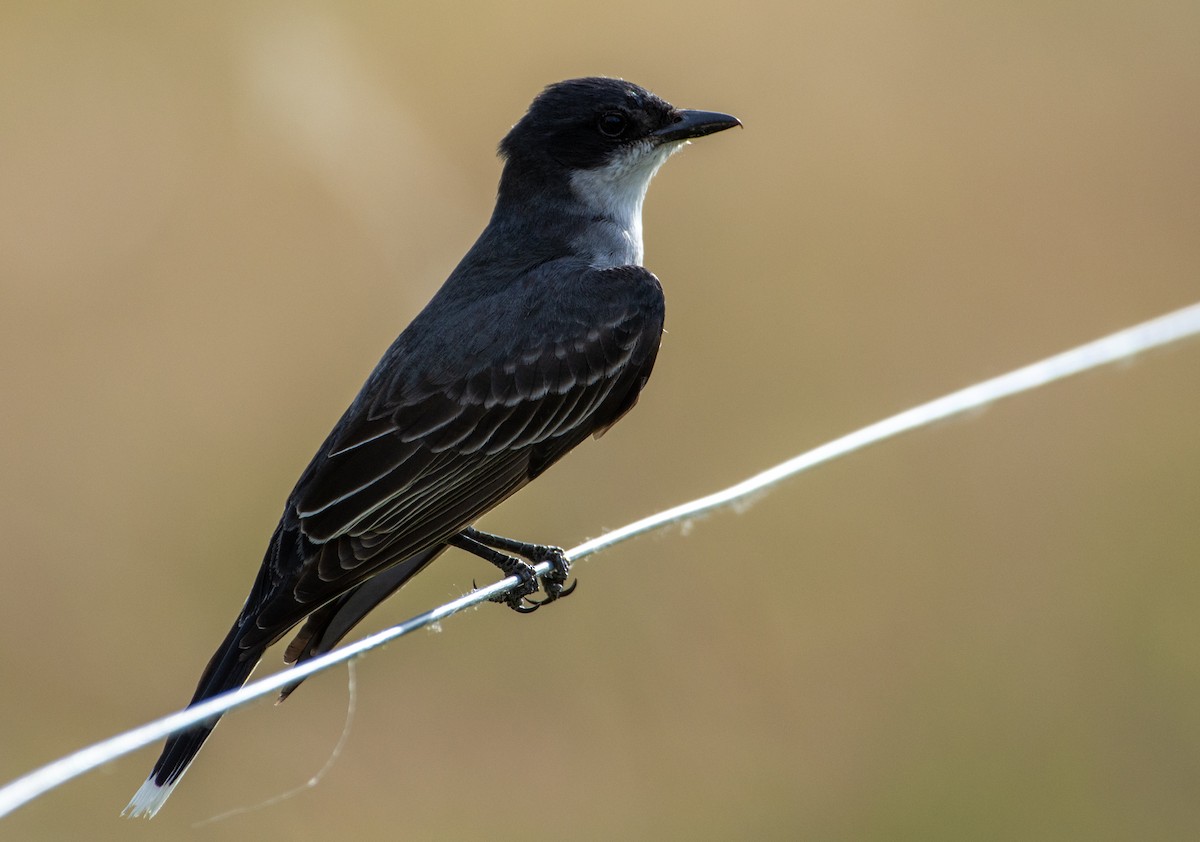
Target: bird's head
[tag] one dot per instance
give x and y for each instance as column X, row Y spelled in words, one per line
column 587, row 124
column 607, row 137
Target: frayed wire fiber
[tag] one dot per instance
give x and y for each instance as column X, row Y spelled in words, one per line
column 1122, row 345
column 351, row 704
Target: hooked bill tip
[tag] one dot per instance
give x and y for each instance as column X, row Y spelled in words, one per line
column 692, row 124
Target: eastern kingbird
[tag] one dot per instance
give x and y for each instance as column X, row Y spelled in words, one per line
column 543, row 335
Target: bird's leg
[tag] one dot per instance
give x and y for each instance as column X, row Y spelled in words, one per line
column 509, row 566
column 554, row 582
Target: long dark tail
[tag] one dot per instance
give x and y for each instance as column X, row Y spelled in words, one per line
column 228, row 668
column 333, row 621
column 243, row 648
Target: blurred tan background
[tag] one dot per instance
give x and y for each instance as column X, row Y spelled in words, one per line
column 214, row 219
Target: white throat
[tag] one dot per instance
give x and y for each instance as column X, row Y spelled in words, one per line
column 614, row 195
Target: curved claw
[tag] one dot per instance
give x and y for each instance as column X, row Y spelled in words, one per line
column 521, row 608
column 552, row 595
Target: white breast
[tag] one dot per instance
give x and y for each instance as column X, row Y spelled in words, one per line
column 614, row 194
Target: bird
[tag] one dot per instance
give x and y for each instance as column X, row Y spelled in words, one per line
column 541, row 337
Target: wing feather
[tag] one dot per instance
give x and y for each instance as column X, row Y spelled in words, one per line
column 421, row 454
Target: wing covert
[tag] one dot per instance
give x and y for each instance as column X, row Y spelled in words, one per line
column 417, row 459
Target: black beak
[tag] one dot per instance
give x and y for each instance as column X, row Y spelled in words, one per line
column 689, row 124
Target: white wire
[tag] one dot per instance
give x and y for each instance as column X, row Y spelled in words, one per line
column 1122, row 345
column 313, row 780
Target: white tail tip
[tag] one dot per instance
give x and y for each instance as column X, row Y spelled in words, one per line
column 149, row 799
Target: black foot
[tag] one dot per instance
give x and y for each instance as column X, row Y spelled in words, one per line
column 517, row 599
column 554, row 582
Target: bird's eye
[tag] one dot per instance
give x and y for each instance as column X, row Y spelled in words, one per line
column 612, row 124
